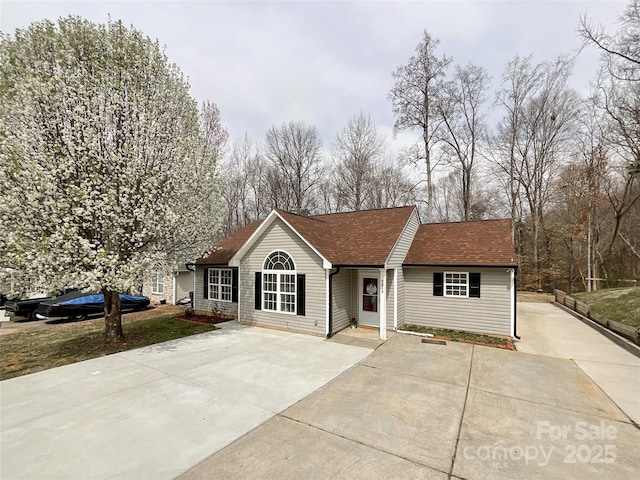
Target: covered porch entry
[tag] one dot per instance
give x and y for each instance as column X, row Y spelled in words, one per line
column 367, row 296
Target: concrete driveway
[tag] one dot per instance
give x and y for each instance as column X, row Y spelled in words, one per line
column 155, row 412
column 424, row 411
column 548, row 330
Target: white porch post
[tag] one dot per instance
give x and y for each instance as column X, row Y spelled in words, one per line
column 395, row 298
column 239, row 295
column 382, row 304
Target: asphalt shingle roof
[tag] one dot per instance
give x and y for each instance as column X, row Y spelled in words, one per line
column 481, row 243
column 364, row 237
column 226, row 248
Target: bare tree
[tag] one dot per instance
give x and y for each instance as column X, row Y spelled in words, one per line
column 243, row 185
column 357, row 149
column 617, row 95
column 461, row 106
column 549, row 123
column 391, row 186
column 520, row 81
column 293, row 152
column 412, row 97
column 621, row 53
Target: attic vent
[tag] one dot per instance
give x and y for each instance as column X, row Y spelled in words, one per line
column 434, row 342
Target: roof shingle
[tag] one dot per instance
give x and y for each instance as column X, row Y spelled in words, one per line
column 364, row 237
column 481, row 243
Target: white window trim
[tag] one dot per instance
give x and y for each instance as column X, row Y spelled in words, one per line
column 210, row 295
column 444, row 284
column 157, row 280
column 278, row 292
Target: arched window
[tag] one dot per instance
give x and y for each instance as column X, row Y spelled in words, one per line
column 279, row 283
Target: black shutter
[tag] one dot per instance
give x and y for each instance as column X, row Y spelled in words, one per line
column 258, row 291
column 301, row 293
column 437, row 284
column 234, row 285
column 474, row 285
column 205, row 282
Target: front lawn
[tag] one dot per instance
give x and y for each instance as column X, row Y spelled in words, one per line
column 618, row 304
column 29, row 352
column 458, row 336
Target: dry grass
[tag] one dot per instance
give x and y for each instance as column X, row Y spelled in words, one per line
column 22, row 353
column 618, row 304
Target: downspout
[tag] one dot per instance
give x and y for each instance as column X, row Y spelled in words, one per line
column 330, row 334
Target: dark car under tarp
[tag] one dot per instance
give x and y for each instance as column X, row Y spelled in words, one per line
column 78, row 305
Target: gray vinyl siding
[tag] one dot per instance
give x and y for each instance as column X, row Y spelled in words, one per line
column 389, row 290
column 400, row 296
column 491, row 313
column 399, row 252
column 278, row 236
column 205, row 306
column 341, row 290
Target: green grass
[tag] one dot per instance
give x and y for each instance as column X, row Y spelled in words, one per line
column 618, row 304
column 458, row 336
column 29, row 352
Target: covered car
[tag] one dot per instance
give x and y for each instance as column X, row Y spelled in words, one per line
column 24, row 308
column 78, row 305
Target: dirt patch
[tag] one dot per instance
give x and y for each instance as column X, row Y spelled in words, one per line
column 534, row 297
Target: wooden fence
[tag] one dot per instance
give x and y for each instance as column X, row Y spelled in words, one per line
column 630, row 333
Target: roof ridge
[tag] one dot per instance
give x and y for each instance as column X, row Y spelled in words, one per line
column 279, row 210
column 360, row 211
column 468, row 221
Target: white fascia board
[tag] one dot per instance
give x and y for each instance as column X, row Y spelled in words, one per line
column 387, row 265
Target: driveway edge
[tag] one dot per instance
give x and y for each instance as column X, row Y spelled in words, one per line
column 615, row 338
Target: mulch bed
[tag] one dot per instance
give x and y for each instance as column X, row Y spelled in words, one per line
column 508, row 346
column 207, row 319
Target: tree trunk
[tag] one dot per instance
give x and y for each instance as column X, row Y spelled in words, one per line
column 112, row 317
column 427, row 156
column 536, row 258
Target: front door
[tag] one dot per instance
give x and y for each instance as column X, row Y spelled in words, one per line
column 369, row 285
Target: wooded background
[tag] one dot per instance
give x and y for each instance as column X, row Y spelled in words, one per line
column 564, row 166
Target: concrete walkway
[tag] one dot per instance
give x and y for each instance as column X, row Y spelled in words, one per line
column 155, row 412
column 548, row 330
column 423, row 411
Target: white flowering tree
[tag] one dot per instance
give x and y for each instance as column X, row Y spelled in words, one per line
column 105, row 170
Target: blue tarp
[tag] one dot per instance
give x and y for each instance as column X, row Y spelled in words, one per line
column 99, row 298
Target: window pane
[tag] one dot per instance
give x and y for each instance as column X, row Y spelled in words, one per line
column 225, row 277
column 225, row 293
column 456, row 284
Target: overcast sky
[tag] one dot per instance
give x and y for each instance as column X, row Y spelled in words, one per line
column 265, row 63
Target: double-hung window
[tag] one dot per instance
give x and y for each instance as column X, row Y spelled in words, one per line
column 220, row 283
column 157, row 284
column 456, row 284
column 279, row 283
